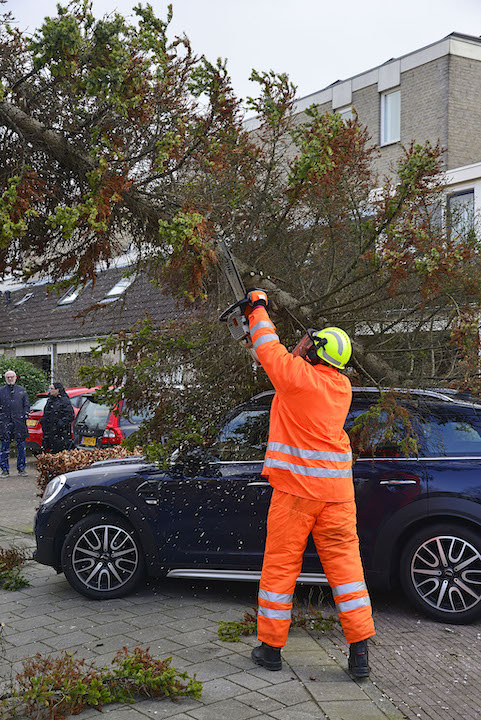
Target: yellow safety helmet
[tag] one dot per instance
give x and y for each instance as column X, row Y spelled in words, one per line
column 332, row 345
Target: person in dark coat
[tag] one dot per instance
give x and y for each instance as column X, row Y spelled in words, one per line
column 14, row 407
column 57, row 419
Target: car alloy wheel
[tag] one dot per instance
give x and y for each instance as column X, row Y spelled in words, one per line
column 101, row 557
column 441, row 572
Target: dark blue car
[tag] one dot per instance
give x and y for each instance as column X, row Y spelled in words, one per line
column 419, row 516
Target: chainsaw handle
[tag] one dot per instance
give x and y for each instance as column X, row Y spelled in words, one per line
column 242, row 304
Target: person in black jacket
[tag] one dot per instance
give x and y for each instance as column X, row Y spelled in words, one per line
column 14, row 407
column 57, row 419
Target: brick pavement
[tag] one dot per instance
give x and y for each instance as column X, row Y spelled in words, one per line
column 179, row 618
column 420, row 669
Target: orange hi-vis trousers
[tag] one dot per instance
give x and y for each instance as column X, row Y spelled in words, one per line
column 333, row 527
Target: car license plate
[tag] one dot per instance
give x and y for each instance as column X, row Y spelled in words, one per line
column 88, row 441
column 31, row 423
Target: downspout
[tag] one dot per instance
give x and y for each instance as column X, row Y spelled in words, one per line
column 53, row 362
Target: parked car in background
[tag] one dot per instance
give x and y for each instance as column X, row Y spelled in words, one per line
column 99, row 425
column 77, row 396
column 419, row 511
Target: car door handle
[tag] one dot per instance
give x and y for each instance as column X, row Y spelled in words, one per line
column 398, row 482
column 258, row 483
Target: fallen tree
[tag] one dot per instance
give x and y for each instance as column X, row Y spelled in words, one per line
column 110, row 130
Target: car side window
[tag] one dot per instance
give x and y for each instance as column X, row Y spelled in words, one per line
column 134, row 417
column 77, row 400
column 455, row 434
column 244, row 437
column 385, row 442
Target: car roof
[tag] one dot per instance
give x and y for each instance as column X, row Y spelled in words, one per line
column 71, row 392
column 446, row 395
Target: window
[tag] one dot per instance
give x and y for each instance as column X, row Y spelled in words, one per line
column 69, row 297
column 24, row 299
column 118, row 290
column 345, row 113
column 78, row 400
column 92, row 417
column 386, row 441
column 244, row 437
column 455, row 433
column 461, row 213
column 39, row 404
column 72, row 294
column 134, row 417
column 390, row 117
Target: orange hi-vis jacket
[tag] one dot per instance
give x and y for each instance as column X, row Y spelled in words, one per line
column 308, row 451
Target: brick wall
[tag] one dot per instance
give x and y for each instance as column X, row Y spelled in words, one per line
column 69, row 364
column 464, row 112
column 440, row 101
column 424, row 103
column 424, row 95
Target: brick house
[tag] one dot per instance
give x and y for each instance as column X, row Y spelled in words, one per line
column 45, row 328
column 432, row 93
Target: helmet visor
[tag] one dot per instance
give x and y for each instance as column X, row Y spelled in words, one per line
column 303, row 346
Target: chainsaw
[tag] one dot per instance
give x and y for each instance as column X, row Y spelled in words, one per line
column 233, row 316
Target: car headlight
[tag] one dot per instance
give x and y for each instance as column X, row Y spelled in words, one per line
column 53, row 488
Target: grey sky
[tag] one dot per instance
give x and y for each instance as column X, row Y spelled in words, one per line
column 315, row 41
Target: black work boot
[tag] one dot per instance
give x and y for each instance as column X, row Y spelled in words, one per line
column 267, row 656
column 359, row 660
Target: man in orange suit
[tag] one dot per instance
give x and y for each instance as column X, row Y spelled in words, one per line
column 309, row 464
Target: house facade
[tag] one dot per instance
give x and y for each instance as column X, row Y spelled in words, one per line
column 432, row 93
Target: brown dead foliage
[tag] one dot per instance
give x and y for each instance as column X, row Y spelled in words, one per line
column 49, row 466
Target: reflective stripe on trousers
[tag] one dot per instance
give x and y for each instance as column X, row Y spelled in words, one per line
column 333, row 527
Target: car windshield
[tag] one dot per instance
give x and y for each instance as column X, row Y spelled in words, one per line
column 39, row 404
column 93, row 416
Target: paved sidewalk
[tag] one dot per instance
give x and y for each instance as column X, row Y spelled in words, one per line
column 176, row 618
column 18, row 498
column 180, row 619
column 428, row 670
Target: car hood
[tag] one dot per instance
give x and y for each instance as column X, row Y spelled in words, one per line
column 107, row 473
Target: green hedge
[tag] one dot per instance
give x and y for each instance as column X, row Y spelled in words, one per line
column 32, row 379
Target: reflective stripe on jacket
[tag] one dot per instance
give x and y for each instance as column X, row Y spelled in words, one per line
column 308, row 453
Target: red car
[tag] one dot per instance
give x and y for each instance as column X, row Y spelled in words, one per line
column 98, row 425
column 77, row 397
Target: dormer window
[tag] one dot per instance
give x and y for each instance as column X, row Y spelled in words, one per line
column 24, row 299
column 72, row 294
column 118, row 290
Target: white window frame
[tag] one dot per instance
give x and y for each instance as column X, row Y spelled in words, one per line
column 471, row 222
column 118, row 289
column 346, row 112
column 25, row 299
column 72, row 294
column 394, row 137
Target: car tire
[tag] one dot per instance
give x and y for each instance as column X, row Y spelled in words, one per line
column 102, row 557
column 440, row 572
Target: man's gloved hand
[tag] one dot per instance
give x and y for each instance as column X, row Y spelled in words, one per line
column 258, row 297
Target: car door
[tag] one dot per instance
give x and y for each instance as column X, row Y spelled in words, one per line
column 386, row 481
column 217, row 514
